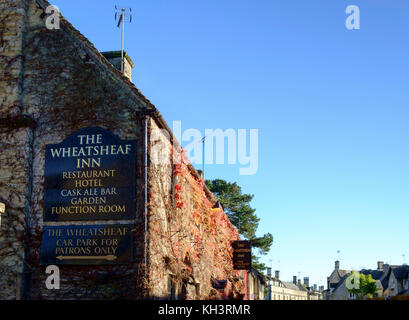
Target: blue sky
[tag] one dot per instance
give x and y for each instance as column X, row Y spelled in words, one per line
column 330, row 104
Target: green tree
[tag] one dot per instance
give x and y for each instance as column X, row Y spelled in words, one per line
column 242, row 216
column 361, row 285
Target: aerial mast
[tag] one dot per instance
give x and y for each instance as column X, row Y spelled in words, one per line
column 121, row 20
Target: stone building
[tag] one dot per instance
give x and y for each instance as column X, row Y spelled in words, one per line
column 286, row 290
column 336, row 276
column 315, row 294
column 256, row 283
column 398, row 281
column 391, row 281
column 54, row 83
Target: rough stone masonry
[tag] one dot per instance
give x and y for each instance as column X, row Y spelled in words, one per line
column 53, row 83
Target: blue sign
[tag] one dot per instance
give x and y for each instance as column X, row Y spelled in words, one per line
column 91, row 175
column 88, row 244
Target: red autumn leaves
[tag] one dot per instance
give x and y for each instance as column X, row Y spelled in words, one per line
column 178, row 189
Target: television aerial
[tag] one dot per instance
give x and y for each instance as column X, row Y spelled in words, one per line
column 123, row 15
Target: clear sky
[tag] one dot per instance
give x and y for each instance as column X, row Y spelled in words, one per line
column 330, row 104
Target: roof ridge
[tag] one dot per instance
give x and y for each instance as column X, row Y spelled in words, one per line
column 44, row 3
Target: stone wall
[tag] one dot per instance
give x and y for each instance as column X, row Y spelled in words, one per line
column 15, row 175
column 66, row 87
column 189, row 240
column 69, row 86
column 16, row 153
column 12, row 29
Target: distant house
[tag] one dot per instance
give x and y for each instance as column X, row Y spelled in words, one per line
column 390, row 281
column 334, row 280
column 256, row 283
column 340, row 292
column 265, row 287
column 315, row 293
column 285, row 290
column 336, row 276
column 381, row 275
column 398, row 281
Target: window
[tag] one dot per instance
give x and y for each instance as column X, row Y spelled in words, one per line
column 2, row 210
column 197, row 286
column 183, row 291
column 171, row 288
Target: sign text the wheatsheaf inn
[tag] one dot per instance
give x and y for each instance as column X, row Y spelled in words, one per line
column 90, row 176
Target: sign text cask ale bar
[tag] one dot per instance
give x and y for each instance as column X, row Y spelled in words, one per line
column 90, row 176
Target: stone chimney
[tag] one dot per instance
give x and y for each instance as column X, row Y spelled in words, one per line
column 269, row 271
column 277, row 274
column 295, row 279
column 114, row 57
column 315, row 287
column 380, row 265
column 307, row 281
column 337, row 265
column 299, row 282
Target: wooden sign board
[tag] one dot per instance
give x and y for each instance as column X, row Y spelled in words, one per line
column 241, row 255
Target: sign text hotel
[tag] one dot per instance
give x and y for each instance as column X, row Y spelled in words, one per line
column 90, row 176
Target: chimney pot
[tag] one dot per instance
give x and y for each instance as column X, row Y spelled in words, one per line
column 336, row 265
column 307, row 281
